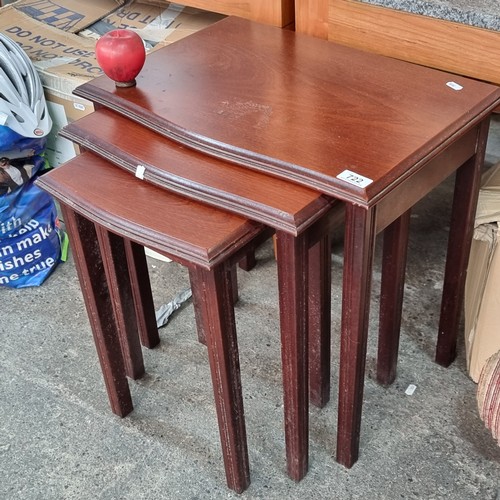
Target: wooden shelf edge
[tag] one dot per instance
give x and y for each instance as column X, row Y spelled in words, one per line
column 436, row 43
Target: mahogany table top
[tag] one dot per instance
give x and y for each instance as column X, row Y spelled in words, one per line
column 163, row 220
column 299, row 107
column 275, row 202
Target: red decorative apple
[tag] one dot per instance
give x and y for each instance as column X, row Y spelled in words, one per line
column 121, row 55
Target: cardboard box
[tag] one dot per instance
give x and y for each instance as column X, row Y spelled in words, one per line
column 65, row 60
column 158, row 25
column 482, row 288
column 67, row 15
column 63, row 109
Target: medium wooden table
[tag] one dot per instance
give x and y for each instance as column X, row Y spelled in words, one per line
column 302, row 219
column 374, row 132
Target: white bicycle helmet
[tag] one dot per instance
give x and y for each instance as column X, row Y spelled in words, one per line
column 23, row 111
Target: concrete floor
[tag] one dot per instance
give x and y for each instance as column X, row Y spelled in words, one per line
column 59, row 440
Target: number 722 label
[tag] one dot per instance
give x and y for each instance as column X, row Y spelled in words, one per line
column 355, row 179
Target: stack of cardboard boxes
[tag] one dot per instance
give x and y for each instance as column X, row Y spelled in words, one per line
column 60, row 39
column 482, row 290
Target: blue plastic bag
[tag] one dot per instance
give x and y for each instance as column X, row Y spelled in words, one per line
column 31, row 241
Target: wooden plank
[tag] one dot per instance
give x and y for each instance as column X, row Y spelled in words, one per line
column 276, row 12
column 446, row 45
column 311, row 17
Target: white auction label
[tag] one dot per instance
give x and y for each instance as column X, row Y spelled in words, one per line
column 454, row 86
column 139, row 171
column 353, row 178
column 410, row 389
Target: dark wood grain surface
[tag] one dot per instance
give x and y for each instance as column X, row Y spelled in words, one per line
column 299, row 107
column 164, row 221
column 270, row 200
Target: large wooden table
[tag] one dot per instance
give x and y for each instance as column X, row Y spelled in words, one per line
column 375, row 133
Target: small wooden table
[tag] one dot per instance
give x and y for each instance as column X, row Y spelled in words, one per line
column 374, row 132
column 104, row 231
